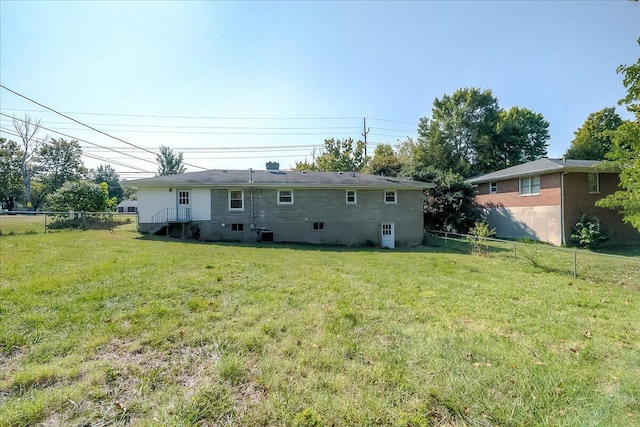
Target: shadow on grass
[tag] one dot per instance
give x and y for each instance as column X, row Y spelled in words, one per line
column 319, row 247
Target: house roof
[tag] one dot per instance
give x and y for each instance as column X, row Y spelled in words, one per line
column 537, row 167
column 127, row 203
column 280, row 179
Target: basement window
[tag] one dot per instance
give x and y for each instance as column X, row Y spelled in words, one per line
column 237, row 227
column 318, row 225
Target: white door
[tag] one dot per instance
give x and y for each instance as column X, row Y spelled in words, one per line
column 184, row 205
column 388, row 235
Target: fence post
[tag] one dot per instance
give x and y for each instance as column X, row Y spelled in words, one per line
column 446, row 235
column 575, row 263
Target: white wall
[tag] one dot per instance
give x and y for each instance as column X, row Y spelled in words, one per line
column 153, row 200
column 201, row 204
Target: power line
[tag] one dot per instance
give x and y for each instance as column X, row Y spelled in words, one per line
column 83, row 124
column 89, row 142
column 92, row 156
column 182, row 117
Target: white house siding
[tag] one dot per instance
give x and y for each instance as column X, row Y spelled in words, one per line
column 153, row 200
column 201, row 204
column 536, row 222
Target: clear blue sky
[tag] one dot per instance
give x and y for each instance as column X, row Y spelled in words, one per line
column 281, row 70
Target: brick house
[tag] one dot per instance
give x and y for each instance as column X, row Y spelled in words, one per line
column 343, row 208
column 545, row 198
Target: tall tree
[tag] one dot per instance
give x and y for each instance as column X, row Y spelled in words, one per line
column 594, row 138
column 169, row 163
column 469, row 134
column 466, row 121
column 60, row 161
column 521, row 136
column 27, row 128
column 625, row 152
column 338, row 156
column 385, row 162
column 11, row 183
column 106, row 173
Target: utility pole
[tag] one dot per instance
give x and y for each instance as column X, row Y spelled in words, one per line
column 365, row 131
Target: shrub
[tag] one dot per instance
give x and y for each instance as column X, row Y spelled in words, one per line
column 587, row 233
column 481, row 232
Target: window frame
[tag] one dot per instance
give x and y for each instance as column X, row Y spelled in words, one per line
column 597, row 182
column 232, row 209
column 279, row 198
column 493, row 187
column 355, row 197
column 530, row 185
column 319, row 225
column 395, row 197
column 237, row 227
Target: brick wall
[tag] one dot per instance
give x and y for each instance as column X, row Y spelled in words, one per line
column 342, row 223
column 579, row 201
column 508, row 193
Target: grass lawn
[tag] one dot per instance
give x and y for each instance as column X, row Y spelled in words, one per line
column 100, row 328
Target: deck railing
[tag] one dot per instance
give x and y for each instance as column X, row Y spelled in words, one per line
column 172, row 215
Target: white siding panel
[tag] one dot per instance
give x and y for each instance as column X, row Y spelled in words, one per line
column 153, row 200
column 201, row 204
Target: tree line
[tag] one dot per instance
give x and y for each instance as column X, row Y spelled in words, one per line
column 37, row 173
column 467, row 134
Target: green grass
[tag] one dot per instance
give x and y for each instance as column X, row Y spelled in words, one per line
column 102, row 328
column 35, row 224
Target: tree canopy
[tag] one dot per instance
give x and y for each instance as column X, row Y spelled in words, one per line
column 169, row 163
column 625, row 152
column 11, row 183
column 337, row 155
column 106, row 173
column 594, row 138
column 469, row 134
column 81, row 196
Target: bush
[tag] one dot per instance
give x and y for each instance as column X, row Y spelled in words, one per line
column 587, row 233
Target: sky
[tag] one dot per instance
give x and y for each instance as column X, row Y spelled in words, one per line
column 233, row 85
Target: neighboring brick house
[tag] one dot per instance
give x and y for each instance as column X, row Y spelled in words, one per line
column 127, row 206
column 343, row 208
column 545, row 198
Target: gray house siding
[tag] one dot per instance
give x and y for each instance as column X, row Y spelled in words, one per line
column 342, row 223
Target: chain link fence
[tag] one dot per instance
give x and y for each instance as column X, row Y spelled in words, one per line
column 13, row 223
column 598, row 267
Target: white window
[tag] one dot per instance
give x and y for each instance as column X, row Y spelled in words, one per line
column 593, row 180
column 236, row 200
column 352, row 197
column 530, row 185
column 183, row 197
column 493, row 188
column 285, row 197
column 390, row 197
